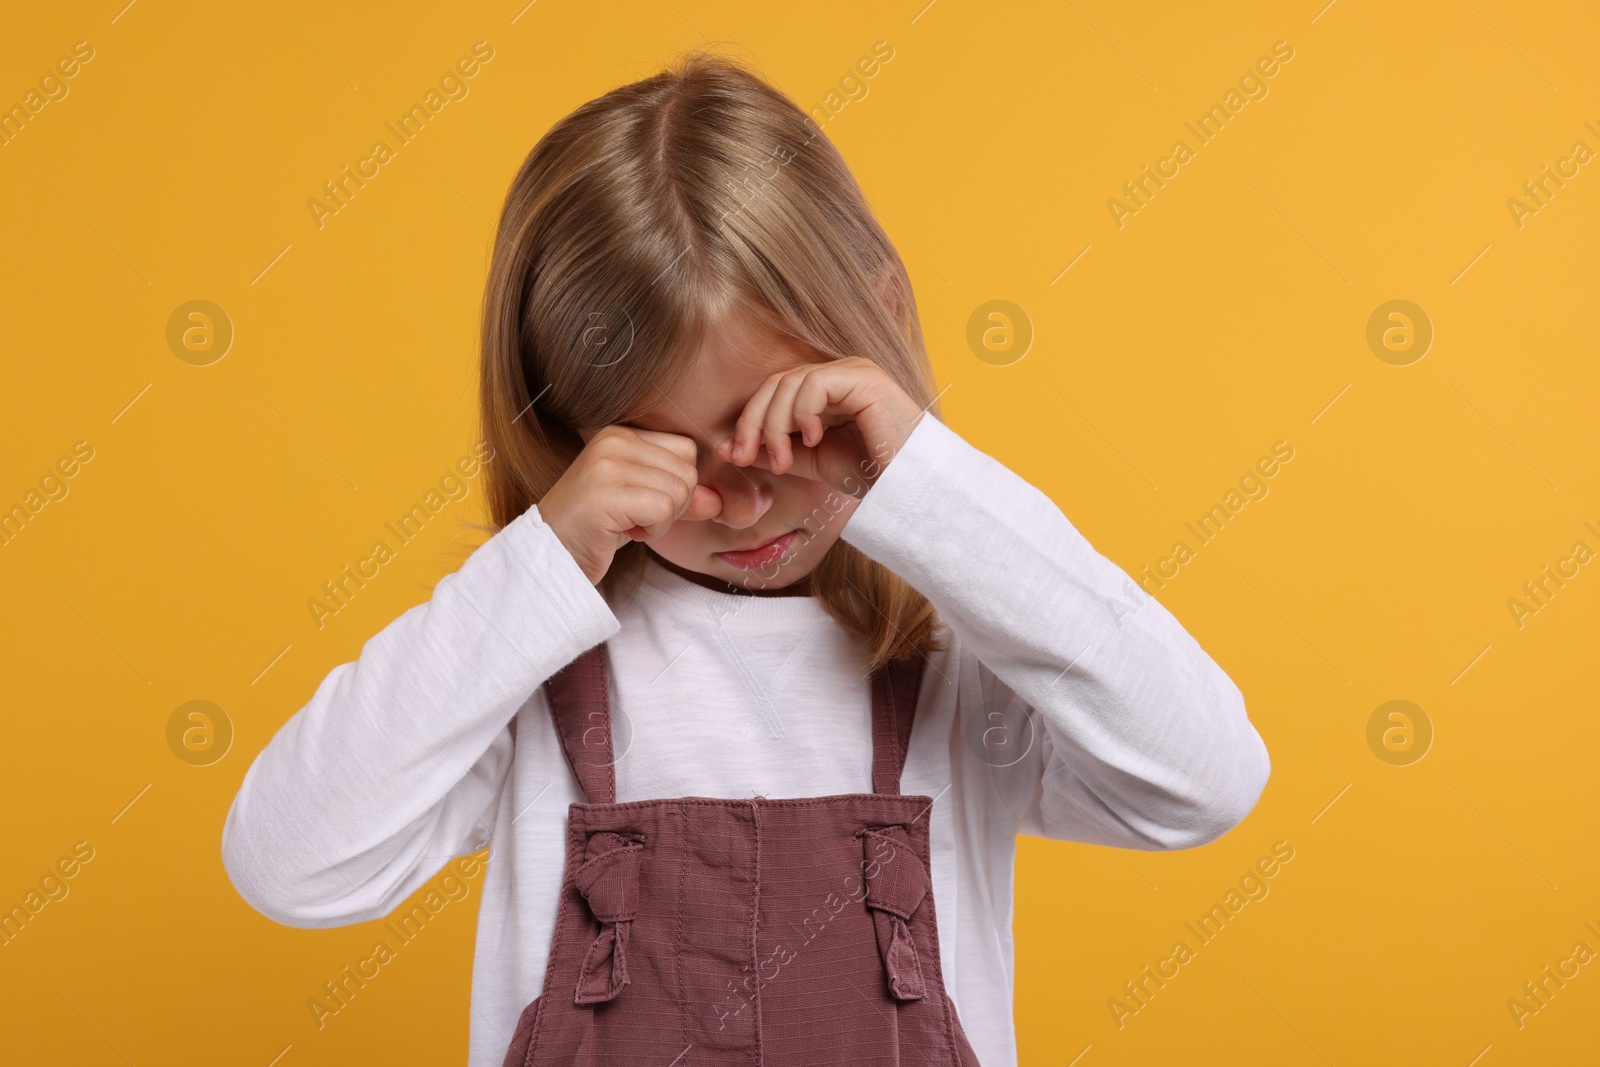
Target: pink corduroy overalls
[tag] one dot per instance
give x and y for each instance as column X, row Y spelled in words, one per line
column 699, row 931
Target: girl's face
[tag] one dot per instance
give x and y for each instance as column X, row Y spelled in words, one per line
column 758, row 507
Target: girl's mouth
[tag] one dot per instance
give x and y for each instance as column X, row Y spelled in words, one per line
column 764, row 555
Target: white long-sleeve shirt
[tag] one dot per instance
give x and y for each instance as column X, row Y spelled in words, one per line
column 405, row 757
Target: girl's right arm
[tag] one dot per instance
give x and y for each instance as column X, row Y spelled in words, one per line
column 397, row 763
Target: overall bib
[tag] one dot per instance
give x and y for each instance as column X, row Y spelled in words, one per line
column 699, row 931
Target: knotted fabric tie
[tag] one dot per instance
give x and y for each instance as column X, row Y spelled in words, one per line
column 609, row 882
column 896, row 883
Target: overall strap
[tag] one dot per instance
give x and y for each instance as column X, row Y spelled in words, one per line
column 580, row 704
column 894, row 705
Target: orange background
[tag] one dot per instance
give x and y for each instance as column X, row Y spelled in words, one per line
column 1228, row 313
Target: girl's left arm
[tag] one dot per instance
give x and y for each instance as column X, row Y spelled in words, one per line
column 1146, row 741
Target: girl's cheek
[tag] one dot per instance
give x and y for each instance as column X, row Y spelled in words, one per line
column 821, row 509
column 679, row 535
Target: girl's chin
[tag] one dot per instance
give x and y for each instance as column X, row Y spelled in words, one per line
column 777, row 576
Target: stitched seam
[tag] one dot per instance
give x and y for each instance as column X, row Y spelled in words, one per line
column 897, row 848
column 915, row 670
column 557, row 719
column 755, row 918
column 763, row 701
column 894, row 736
column 834, row 800
column 605, row 709
column 683, row 879
column 883, row 722
column 573, row 828
column 923, row 834
column 564, row 717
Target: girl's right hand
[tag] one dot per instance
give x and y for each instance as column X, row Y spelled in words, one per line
column 626, row 485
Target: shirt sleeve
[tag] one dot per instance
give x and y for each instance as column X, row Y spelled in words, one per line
column 1142, row 740
column 397, row 762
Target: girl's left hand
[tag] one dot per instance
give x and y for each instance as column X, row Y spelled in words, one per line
column 851, row 419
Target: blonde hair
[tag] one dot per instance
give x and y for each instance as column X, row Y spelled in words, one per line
column 636, row 223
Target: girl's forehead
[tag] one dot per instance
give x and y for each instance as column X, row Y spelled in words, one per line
column 730, row 366
column 736, row 352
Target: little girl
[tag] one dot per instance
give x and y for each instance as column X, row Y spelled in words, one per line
column 763, row 662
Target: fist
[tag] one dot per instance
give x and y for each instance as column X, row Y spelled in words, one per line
column 626, row 485
column 839, row 422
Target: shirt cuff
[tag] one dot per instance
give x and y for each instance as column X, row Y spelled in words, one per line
column 890, row 511
column 578, row 604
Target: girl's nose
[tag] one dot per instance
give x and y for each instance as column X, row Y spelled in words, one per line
column 746, row 492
